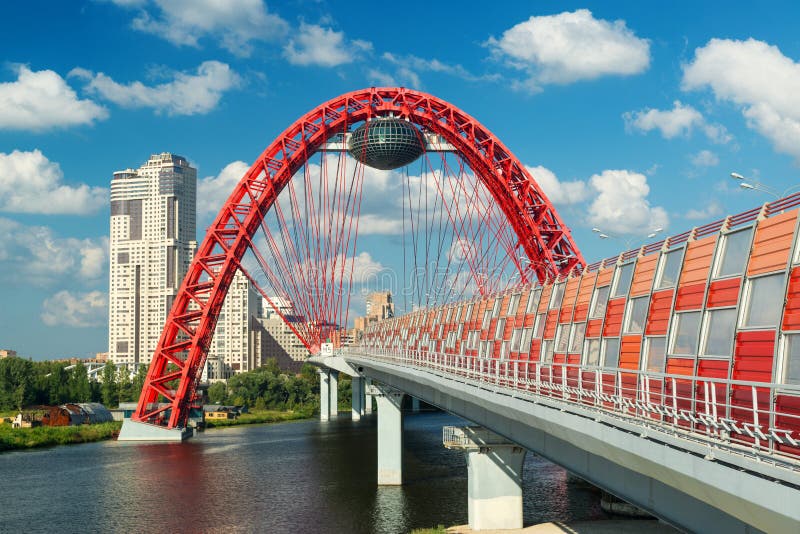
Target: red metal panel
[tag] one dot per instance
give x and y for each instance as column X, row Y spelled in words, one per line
column 791, row 317
column 614, row 313
column 630, row 349
column 594, row 327
column 544, row 300
column 788, row 418
column 536, row 349
column 690, row 297
column 566, row 315
column 643, row 275
column 753, row 356
column 713, row 368
column 723, row 293
column 697, row 261
column 660, row 310
column 550, row 325
column 772, row 244
column 581, row 311
column 680, row 366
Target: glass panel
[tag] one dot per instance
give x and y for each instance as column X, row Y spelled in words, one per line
column 592, row 356
column 513, row 304
column 687, row 326
column 599, row 302
column 497, row 303
column 576, row 337
column 538, row 327
column 736, row 248
column 637, row 315
column 655, row 354
column 670, row 268
column 558, row 296
column 719, row 333
column 611, row 352
column 516, row 335
column 533, row 300
column 562, row 337
column 487, row 318
column 765, row 302
column 624, row 275
column 527, row 335
column 501, row 326
column 547, row 351
column 791, row 365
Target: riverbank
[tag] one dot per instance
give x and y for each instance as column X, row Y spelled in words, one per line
column 256, row 417
column 47, row 436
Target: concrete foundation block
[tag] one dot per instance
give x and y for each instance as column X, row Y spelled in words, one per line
column 136, row 431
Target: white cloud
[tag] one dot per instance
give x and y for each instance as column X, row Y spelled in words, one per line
column 758, row 78
column 42, row 100
column 75, row 309
column 681, row 120
column 559, row 192
column 411, row 63
column 380, row 78
column 30, row 183
column 35, row 255
column 571, row 46
column 621, row 204
column 713, row 209
column 705, row 158
column 233, row 24
column 212, row 191
column 186, row 94
column 315, row 45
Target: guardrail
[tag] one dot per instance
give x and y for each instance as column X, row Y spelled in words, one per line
column 762, row 418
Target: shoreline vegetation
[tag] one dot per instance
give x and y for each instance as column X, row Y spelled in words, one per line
column 259, row 417
column 47, row 436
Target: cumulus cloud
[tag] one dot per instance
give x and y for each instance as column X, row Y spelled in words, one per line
column 234, row 25
column 571, row 46
column 75, row 309
column 42, row 100
column 409, row 65
column 186, row 94
column 325, row 47
column 30, row 183
column 621, row 204
column 713, row 209
column 705, row 158
column 681, row 120
column 559, row 192
column 212, row 191
column 759, row 79
column 36, row 255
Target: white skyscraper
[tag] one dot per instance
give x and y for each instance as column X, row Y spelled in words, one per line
column 153, row 219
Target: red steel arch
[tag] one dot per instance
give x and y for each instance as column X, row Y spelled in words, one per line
column 182, row 349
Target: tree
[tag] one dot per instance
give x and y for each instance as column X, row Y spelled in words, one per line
column 109, row 389
column 217, row 393
column 124, row 385
column 79, row 388
column 138, row 381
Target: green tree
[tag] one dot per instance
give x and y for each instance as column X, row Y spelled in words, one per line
column 110, row 392
column 16, row 383
column 79, row 388
column 138, row 381
column 124, row 386
column 217, row 393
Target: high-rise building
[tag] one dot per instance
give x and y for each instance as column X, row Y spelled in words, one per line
column 235, row 347
column 380, row 306
column 153, row 219
column 276, row 339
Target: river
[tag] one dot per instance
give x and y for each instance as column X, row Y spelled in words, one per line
column 303, row 477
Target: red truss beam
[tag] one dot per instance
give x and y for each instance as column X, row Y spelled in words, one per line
column 181, row 352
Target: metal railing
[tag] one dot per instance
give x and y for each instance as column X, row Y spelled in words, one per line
column 756, row 417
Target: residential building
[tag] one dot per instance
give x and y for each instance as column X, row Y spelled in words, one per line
column 7, row 353
column 152, row 240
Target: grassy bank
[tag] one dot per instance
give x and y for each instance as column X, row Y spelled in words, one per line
column 45, row 436
column 255, row 417
column 437, row 530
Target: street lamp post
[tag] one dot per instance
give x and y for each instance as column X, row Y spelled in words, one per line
column 607, row 235
column 753, row 185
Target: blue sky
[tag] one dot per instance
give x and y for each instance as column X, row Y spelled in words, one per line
column 630, row 116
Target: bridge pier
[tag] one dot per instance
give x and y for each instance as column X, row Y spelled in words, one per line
column 494, row 477
column 324, row 394
column 333, row 388
column 390, row 435
column 357, row 398
column 414, row 405
column 367, row 396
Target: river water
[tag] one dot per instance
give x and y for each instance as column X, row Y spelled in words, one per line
column 302, row 477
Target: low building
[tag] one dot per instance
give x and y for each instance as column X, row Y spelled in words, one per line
column 87, row 413
column 7, row 353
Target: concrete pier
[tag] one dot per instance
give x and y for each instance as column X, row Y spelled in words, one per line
column 494, row 477
column 390, row 435
column 414, row 405
column 367, row 396
column 136, row 431
column 357, row 398
column 324, row 394
column 333, row 389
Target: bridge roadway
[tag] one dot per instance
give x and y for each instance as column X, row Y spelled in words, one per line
column 693, row 481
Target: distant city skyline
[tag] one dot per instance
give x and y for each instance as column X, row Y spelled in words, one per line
column 634, row 123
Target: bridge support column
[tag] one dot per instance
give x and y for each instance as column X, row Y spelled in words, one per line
column 358, row 398
column 333, row 401
column 324, row 394
column 367, row 396
column 414, row 404
column 494, row 471
column 390, row 435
